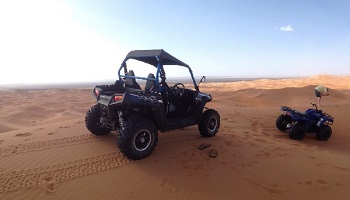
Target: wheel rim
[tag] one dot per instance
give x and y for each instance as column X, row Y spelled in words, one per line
column 99, row 122
column 142, row 140
column 325, row 134
column 212, row 124
column 286, row 123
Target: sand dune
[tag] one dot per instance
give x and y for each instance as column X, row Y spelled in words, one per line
column 47, row 153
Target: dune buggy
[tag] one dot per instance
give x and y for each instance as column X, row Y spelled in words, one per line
column 298, row 124
column 141, row 103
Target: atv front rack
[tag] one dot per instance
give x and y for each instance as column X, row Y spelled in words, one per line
column 328, row 119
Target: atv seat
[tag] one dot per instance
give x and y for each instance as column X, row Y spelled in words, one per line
column 150, row 82
column 131, row 82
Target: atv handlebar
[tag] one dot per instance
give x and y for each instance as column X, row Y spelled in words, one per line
column 314, row 105
column 329, row 118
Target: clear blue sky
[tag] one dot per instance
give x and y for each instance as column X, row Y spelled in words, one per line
column 80, row 40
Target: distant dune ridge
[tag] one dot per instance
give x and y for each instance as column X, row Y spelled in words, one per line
column 47, row 153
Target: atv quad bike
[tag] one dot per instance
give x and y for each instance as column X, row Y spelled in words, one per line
column 137, row 107
column 313, row 120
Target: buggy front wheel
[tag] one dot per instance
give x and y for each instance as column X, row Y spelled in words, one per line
column 210, row 123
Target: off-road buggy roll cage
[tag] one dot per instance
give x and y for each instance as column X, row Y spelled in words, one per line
column 137, row 114
column 157, row 58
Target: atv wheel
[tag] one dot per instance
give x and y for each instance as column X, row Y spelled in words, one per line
column 297, row 132
column 324, row 133
column 138, row 139
column 93, row 123
column 283, row 121
column 210, row 123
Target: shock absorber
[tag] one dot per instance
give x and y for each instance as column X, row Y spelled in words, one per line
column 121, row 120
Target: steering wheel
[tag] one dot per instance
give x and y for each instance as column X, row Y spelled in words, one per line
column 178, row 90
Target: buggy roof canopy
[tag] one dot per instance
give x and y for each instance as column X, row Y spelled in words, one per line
column 151, row 57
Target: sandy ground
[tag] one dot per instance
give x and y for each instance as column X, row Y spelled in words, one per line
column 47, row 153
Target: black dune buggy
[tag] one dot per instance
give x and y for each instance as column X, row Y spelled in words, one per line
column 141, row 103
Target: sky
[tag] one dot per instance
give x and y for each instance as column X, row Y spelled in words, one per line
column 58, row 41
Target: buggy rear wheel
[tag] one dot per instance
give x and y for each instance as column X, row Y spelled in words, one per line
column 297, row 132
column 138, row 139
column 93, row 121
column 283, row 121
column 324, row 133
column 210, row 123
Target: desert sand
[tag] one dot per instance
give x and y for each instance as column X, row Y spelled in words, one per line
column 47, row 153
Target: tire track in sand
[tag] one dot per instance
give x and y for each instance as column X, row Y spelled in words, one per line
column 68, row 141
column 48, row 144
column 48, row 176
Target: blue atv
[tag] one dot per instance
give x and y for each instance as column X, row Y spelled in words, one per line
column 298, row 124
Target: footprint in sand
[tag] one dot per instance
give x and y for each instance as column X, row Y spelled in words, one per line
column 253, row 144
column 269, row 188
column 319, row 184
column 305, row 183
column 79, row 122
column 168, row 186
column 51, row 133
column 238, row 114
column 50, row 185
column 23, row 134
column 64, row 127
column 257, row 126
